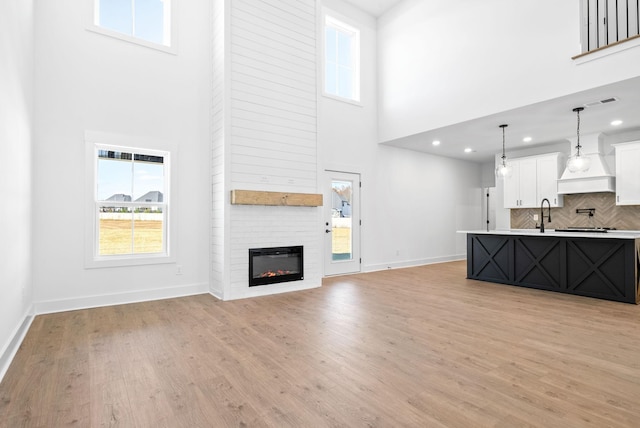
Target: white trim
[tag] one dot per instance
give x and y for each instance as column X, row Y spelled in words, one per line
column 97, row 301
column 170, row 40
column 10, row 349
column 611, row 50
column 412, row 263
column 338, row 22
column 341, row 99
column 146, row 144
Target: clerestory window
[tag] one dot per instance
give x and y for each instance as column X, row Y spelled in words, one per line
column 342, row 59
column 146, row 22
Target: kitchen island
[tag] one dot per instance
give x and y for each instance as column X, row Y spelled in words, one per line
column 601, row 265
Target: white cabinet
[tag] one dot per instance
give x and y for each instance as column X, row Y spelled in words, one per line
column 520, row 188
column 628, row 173
column 534, row 178
column 549, row 169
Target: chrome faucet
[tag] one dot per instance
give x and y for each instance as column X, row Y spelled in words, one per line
column 542, row 214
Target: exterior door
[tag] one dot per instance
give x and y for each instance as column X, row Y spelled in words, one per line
column 342, row 223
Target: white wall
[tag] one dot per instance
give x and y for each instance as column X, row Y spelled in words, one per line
column 219, row 210
column 16, row 116
column 412, row 203
column 88, row 81
column 440, row 64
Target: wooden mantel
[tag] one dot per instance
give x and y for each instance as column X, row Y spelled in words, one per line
column 256, row 197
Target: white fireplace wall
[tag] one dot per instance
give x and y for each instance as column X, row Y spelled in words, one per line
column 263, row 227
column 219, row 208
column 264, row 137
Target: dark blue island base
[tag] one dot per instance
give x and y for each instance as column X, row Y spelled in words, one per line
column 605, row 268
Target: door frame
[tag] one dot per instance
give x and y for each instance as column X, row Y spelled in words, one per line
column 353, row 265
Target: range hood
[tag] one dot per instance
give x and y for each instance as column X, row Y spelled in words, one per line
column 597, row 178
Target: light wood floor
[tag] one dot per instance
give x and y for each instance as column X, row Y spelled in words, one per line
column 418, row 347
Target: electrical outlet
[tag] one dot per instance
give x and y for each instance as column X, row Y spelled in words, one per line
column 178, row 269
column 397, row 252
column 535, row 217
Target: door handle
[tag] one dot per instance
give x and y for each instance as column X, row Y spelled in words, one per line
column 327, row 231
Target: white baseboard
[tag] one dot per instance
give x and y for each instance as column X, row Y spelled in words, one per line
column 412, row 263
column 216, row 294
column 62, row 305
column 10, row 350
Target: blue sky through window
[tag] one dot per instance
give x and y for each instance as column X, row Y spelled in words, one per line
column 120, row 177
column 121, row 15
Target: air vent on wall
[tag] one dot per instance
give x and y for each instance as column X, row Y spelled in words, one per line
column 604, row 101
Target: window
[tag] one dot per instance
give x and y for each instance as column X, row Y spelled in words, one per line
column 146, row 22
column 129, row 207
column 342, row 60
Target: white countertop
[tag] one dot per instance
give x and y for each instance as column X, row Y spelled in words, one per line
column 615, row 234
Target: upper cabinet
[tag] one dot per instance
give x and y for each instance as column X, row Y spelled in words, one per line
column 520, row 188
column 628, row 173
column 549, row 170
column 534, row 178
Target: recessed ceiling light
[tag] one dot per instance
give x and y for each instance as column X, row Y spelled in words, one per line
column 616, row 122
column 527, row 139
column 468, row 150
column 436, row 143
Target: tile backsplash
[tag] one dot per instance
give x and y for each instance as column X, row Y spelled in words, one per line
column 607, row 213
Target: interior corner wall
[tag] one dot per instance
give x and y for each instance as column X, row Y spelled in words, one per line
column 444, row 62
column 412, row 203
column 90, row 81
column 16, row 121
column 218, row 271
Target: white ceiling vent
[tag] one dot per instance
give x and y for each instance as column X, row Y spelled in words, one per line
column 599, row 102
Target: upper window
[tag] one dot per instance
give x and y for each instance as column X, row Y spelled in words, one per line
column 128, row 214
column 342, row 59
column 146, row 22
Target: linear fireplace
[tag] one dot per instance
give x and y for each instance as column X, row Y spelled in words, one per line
column 276, row 264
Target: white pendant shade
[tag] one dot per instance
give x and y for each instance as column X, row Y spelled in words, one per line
column 578, row 163
column 504, row 170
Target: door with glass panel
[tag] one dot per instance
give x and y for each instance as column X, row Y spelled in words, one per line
column 342, row 223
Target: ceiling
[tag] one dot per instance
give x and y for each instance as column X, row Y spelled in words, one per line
column 548, row 122
column 374, row 7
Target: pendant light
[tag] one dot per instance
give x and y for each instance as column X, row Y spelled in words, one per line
column 578, row 162
column 503, row 170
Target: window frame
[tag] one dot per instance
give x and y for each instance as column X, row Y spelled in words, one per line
column 95, row 141
column 333, row 20
column 93, row 15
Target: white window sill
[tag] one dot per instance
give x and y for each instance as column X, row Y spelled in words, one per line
column 344, row 100
column 114, row 34
column 128, row 260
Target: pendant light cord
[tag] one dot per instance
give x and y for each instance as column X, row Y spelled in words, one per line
column 504, row 156
column 578, row 147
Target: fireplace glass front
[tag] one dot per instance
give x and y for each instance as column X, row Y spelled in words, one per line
column 274, row 265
